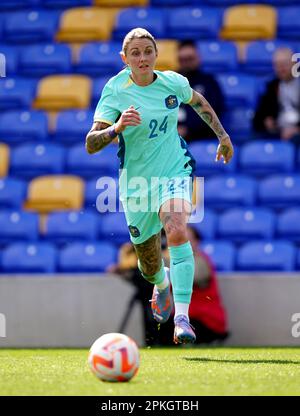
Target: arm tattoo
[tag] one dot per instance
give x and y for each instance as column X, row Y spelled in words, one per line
column 98, row 137
column 206, row 112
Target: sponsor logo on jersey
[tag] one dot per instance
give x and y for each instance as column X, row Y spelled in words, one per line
column 134, row 231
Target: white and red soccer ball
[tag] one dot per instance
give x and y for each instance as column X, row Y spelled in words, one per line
column 114, row 357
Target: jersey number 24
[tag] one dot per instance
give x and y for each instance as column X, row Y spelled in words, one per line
column 153, row 125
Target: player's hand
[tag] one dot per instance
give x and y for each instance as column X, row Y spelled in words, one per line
column 129, row 117
column 225, row 150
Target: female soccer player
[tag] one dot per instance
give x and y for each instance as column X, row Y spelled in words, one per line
column 140, row 106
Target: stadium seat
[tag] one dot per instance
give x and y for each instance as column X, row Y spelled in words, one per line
column 12, row 5
column 264, row 157
column 249, row 22
column 207, row 227
column 218, row 56
column 40, row 60
column 30, row 26
column 230, row 191
column 239, row 90
column 18, row 225
column 86, row 24
column 61, row 92
column 94, row 189
column 87, row 257
column 267, row 256
column 171, row 3
column 99, row 59
column 98, row 85
column 288, row 22
column 280, row 191
column 120, row 3
column 30, row 160
column 16, row 93
column 222, row 254
column 66, row 3
column 243, row 224
column 238, row 123
column 167, row 55
column 204, row 152
column 105, row 163
column 66, row 227
column 258, row 56
column 114, row 228
column 288, row 224
column 193, row 23
column 21, row 126
column 55, row 192
column 72, row 126
column 32, row 258
column 4, row 159
column 298, row 260
column 150, row 19
column 12, row 193
column 9, row 61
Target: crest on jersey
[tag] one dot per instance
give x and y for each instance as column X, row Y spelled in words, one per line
column 134, row 231
column 171, row 101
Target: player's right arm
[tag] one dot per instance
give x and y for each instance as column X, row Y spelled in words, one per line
column 101, row 134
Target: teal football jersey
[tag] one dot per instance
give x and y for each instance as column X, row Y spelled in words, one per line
column 153, row 148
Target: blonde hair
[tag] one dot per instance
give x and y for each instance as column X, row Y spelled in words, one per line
column 137, row 33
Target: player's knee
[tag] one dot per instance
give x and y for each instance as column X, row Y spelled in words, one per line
column 177, row 236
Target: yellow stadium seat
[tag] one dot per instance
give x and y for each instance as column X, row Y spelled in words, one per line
column 4, row 159
column 86, row 24
column 249, row 22
column 55, row 192
column 167, row 55
column 121, row 3
column 59, row 92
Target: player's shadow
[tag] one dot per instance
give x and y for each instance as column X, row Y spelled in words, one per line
column 212, row 360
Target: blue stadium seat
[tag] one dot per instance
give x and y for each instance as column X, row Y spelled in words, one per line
column 239, row 90
column 243, row 224
column 288, row 22
column 288, row 224
column 32, row 258
column 72, row 126
column 99, row 59
column 114, row 228
column 30, row 160
column 11, row 60
column 21, row 126
column 66, row 3
column 31, row 26
column 16, row 93
column 104, row 163
column 258, row 58
column 194, row 23
column 230, row 191
column 204, row 153
column 40, row 60
column 218, row 56
column 238, row 123
column 222, row 254
column 18, row 225
column 94, row 188
column 207, row 227
column 151, row 19
column 298, row 260
column 12, row 5
column 66, row 227
column 97, row 88
column 265, row 157
column 12, row 193
column 267, row 256
column 87, row 257
column 280, row 191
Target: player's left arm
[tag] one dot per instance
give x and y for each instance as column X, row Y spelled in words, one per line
column 206, row 112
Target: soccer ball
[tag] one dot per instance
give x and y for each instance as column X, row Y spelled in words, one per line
column 114, row 357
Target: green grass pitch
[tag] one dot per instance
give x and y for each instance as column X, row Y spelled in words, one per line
column 172, row 371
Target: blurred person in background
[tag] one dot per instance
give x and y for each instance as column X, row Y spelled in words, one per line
column 190, row 126
column 278, row 111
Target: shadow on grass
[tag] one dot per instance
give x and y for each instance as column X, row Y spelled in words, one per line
column 212, row 360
